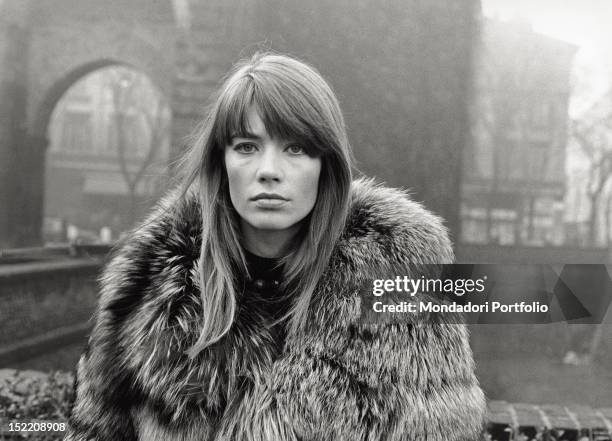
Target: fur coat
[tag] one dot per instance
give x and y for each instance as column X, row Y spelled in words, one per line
column 338, row 379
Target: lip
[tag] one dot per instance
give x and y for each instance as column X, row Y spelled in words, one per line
column 270, row 203
column 269, row 197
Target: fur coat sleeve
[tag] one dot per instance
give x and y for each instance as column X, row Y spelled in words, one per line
column 106, row 388
column 340, row 378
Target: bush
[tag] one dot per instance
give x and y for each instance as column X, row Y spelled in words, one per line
column 27, row 396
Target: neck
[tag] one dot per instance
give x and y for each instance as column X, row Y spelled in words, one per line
column 267, row 243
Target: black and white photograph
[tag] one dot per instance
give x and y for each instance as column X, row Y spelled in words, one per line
column 283, row 220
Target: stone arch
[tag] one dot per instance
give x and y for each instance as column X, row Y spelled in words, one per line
column 91, row 180
column 59, row 88
column 57, row 67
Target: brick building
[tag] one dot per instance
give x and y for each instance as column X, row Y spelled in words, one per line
column 514, row 166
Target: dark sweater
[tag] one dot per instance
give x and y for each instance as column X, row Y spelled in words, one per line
column 262, row 291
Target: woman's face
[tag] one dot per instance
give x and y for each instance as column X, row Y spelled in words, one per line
column 273, row 183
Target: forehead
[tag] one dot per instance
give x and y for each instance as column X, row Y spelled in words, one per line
column 254, row 127
column 254, row 123
column 253, row 112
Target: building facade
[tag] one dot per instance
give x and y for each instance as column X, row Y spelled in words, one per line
column 514, row 166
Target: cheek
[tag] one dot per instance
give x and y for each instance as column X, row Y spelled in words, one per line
column 235, row 181
column 310, row 181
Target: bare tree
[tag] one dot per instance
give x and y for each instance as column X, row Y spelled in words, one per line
column 608, row 219
column 140, row 116
column 592, row 133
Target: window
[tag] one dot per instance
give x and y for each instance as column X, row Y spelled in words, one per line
column 76, row 132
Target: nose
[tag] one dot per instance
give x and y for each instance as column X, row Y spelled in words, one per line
column 270, row 168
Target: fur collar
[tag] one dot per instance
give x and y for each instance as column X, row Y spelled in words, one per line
column 149, row 315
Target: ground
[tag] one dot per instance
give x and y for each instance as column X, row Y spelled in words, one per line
column 545, row 380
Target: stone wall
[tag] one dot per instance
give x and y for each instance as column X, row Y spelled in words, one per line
column 45, row 304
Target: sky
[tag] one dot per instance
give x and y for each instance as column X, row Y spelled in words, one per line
column 582, row 22
column 585, row 23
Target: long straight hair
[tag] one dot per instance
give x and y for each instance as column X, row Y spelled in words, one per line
column 294, row 102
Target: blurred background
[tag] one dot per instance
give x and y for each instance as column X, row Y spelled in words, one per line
column 497, row 114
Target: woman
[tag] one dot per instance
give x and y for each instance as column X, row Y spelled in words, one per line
column 233, row 313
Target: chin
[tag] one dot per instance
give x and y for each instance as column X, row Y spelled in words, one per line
column 271, row 226
column 270, row 223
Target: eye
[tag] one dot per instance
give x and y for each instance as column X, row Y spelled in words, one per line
column 295, row 149
column 245, row 147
